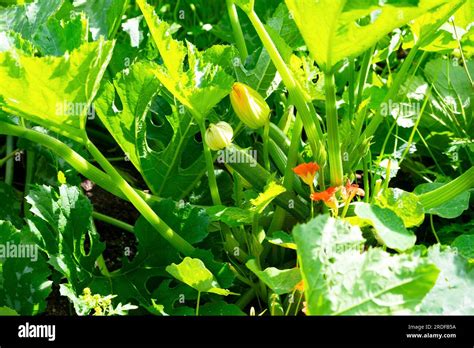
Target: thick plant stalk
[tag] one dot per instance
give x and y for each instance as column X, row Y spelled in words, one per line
column 332, row 125
column 112, row 182
column 305, row 109
column 9, row 165
column 166, row 232
column 279, row 217
column 216, row 199
column 257, row 176
column 449, row 191
column 237, row 30
column 73, row 158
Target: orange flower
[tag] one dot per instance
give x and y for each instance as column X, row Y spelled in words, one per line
column 300, row 286
column 351, row 190
column 307, row 172
column 328, row 197
column 325, row 195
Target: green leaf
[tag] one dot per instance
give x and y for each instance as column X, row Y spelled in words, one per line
column 170, row 169
column 258, row 71
column 10, row 205
column 104, row 16
column 174, row 298
column 189, row 222
column 452, row 294
column 444, row 40
column 220, row 308
column 447, row 210
column 389, row 228
column 54, row 92
column 450, row 80
column 405, row 204
column 55, row 38
column 9, row 40
column 61, row 222
column 231, row 216
column 246, row 5
column 24, row 273
column 272, row 190
column 341, row 279
column 199, row 88
column 465, row 246
column 5, row 311
column 28, row 18
column 280, row 281
column 282, row 239
column 194, row 273
column 348, row 28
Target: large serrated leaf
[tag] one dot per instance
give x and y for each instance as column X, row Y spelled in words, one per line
column 61, row 222
column 24, row 276
column 340, row 278
column 104, row 16
column 452, row 294
column 54, row 92
column 199, row 88
column 171, row 171
column 28, row 18
column 338, row 29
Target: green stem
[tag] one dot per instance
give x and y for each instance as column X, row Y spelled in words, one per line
column 449, row 191
column 279, row 217
column 393, row 91
column 103, row 267
column 211, row 175
column 433, row 229
column 165, row 231
column 334, row 147
column 112, row 221
column 266, row 158
column 197, row 303
column 30, row 165
column 73, row 158
column 366, row 163
column 306, row 109
column 9, row 167
column 257, row 176
column 237, row 30
column 246, row 298
column 7, row 157
column 415, row 128
column 364, row 74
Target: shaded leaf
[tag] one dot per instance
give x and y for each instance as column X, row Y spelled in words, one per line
column 282, row 239
column 24, row 276
column 28, row 18
column 448, row 210
column 465, row 246
column 389, row 228
column 104, row 15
